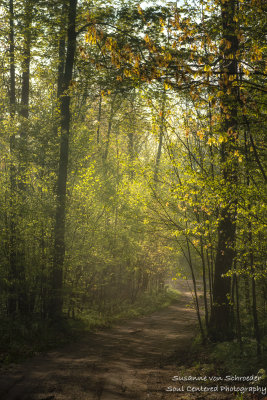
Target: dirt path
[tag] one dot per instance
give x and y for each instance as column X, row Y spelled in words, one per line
column 112, row 364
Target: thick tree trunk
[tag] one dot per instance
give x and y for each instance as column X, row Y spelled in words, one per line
column 56, row 301
column 220, row 324
column 251, row 254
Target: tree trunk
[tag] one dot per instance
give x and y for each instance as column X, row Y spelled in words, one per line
column 254, row 296
column 56, row 301
column 251, row 254
column 236, row 302
column 99, row 117
column 18, row 293
column 204, row 283
column 210, row 276
column 25, row 88
column 12, row 296
column 238, row 320
column 161, row 134
column 195, row 291
column 220, row 324
column 23, row 152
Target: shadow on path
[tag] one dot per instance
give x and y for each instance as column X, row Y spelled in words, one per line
column 110, row 364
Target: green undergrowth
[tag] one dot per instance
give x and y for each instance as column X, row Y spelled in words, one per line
column 224, row 364
column 23, row 338
column 145, row 304
column 243, row 361
column 226, row 358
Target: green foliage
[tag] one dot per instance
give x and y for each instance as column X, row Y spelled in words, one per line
column 235, row 361
column 23, row 338
column 165, row 143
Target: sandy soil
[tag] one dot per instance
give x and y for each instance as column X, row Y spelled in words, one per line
column 128, row 361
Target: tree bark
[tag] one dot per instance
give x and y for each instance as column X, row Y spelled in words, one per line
column 12, row 296
column 56, row 301
column 220, row 324
column 23, row 303
column 161, row 134
column 18, row 293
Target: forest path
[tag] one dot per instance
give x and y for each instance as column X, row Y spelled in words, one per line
column 111, row 364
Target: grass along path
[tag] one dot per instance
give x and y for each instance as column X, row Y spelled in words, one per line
column 113, row 363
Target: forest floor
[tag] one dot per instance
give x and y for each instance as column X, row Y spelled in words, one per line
column 133, row 360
